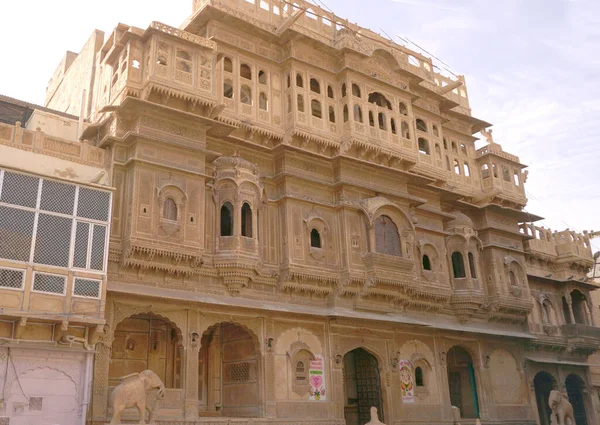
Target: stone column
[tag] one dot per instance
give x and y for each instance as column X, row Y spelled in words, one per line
column 570, row 304
column 191, row 357
column 269, row 372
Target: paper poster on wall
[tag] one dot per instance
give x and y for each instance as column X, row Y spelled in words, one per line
column 316, row 377
column 406, row 381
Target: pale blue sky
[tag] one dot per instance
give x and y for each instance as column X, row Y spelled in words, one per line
column 532, row 69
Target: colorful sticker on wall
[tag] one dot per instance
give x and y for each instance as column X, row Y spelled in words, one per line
column 316, row 377
column 406, row 381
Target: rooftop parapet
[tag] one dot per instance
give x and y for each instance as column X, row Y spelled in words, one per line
column 566, row 244
column 38, row 142
column 306, row 18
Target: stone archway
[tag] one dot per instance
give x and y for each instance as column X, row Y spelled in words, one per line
column 462, row 382
column 228, row 372
column 147, row 341
column 543, row 383
column 362, row 387
column 575, row 389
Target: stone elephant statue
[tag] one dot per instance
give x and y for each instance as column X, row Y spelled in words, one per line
column 141, row 390
column 561, row 409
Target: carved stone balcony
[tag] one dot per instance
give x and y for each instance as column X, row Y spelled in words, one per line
column 581, row 338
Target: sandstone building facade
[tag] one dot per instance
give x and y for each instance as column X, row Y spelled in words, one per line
column 302, row 228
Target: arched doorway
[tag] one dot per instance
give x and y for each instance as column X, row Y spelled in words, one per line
column 579, row 305
column 575, row 387
column 543, row 383
column 228, row 371
column 146, row 341
column 362, row 387
column 462, row 383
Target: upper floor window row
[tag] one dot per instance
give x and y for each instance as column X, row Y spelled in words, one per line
column 53, row 223
column 245, row 70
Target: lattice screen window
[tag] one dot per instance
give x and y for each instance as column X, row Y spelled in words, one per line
column 36, row 404
column 90, row 246
column 49, row 283
column 53, row 240
column 58, row 197
column 19, row 189
column 11, row 278
column 93, row 204
column 16, row 233
column 240, row 372
column 49, row 212
column 89, row 288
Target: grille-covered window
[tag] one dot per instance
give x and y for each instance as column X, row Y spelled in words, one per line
column 10, row 278
column 49, row 283
column 89, row 288
column 49, row 212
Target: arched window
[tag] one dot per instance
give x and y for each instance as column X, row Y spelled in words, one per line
column 445, row 144
column 379, row 100
column 246, row 95
column 495, row 170
column 300, row 103
column 456, row 167
column 505, row 174
column 423, row 146
column 246, row 220
column 436, row 132
column 344, row 90
column 516, row 178
column 227, row 219
column 404, row 130
column 472, row 265
column 447, row 163
column 402, row 108
column 419, row 377
column 228, row 89
column 387, row 239
column 485, row 171
column 300, row 372
column 245, row 71
column 463, row 149
column 467, row 169
column 315, row 86
column 263, row 102
column 315, row 108
column 331, row 114
column 358, row 114
column 315, row 239
column 355, row 90
column 458, row 265
column 170, row 210
column 227, row 65
column 299, row 80
column 330, row 92
column 371, row 119
column 421, row 125
column 438, row 151
column 262, row 77
column 289, row 81
column 454, row 147
column 513, row 278
column 346, row 118
column 382, row 121
column 393, row 126
column 426, row 263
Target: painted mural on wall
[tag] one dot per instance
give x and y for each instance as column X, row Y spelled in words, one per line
column 406, row 381
column 316, row 377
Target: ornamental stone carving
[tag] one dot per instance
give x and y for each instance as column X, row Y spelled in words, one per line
column 562, row 410
column 141, row 390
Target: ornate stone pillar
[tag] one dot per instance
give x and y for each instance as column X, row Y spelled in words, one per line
column 269, row 372
column 191, row 357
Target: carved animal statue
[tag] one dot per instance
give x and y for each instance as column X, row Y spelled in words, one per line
column 561, row 408
column 141, row 390
column 374, row 418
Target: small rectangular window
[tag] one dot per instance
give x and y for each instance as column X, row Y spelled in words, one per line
column 49, row 283
column 11, row 278
column 88, row 288
column 20, row 189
